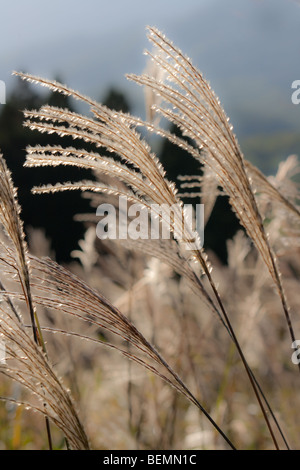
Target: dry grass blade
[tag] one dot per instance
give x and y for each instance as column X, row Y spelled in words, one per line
column 12, row 224
column 27, row 364
column 10, row 219
column 15, row 255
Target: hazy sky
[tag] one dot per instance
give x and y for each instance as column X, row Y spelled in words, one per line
column 25, row 22
column 248, row 49
column 28, row 26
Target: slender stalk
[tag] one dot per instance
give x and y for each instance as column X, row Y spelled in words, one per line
column 245, row 363
column 192, row 398
column 228, row 329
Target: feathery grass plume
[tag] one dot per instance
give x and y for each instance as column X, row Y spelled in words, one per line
column 144, row 184
column 26, row 363
column 191, row 104
column 12, row 224
column 13, row 227
column 144, row 177
column 267, row 186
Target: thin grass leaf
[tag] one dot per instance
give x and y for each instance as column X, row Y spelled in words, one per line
column 27, row 364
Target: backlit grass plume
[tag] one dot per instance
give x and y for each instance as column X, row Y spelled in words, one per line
column 13, row 227
column 26, row 363
column 26, row 358
column 190, row 103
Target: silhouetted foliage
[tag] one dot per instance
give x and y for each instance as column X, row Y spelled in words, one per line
column 116, row 100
